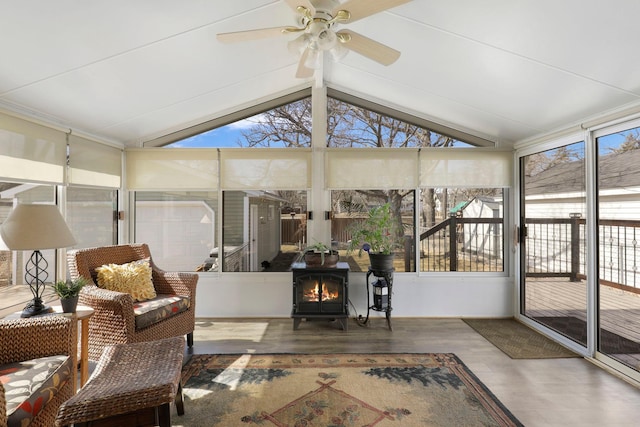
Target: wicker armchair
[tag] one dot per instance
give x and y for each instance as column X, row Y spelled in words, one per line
column 33, row 338
column 114, row 320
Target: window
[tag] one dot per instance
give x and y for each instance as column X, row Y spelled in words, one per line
column 351, row 206
column 12, row 263
column 462, row 194
column 91, row 216
column 373, row 155
column 287, row 125
column 351, row 126
column 263, row 230
column 353, row 122
column 179, row 227
column 264, row 207
column 461, row 229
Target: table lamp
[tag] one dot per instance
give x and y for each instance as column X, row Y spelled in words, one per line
column 35, row 227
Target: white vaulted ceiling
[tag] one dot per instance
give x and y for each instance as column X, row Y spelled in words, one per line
column 131, row 71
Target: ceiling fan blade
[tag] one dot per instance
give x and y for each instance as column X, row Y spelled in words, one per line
column 303, row 71
column 362, row 8
column 367, row 47
column 293, row 4
column 242, row 36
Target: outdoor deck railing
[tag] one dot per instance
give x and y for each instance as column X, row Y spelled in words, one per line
column 555, row 247
column 463, row 244
column 619, row 257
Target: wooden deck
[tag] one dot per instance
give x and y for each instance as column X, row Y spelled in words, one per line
column 619, row 311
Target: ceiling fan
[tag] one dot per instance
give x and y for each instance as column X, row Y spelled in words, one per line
column 317, row 35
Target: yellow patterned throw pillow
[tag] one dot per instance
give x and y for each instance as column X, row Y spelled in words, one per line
column 133, row 278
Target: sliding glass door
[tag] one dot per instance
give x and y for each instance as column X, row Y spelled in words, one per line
column 552, row 237
column 618, row 208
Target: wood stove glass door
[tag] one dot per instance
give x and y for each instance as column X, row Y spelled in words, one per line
column 320, row 293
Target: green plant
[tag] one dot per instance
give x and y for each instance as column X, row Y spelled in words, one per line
column 69, row 288
column 375, row 234
column 319, row 248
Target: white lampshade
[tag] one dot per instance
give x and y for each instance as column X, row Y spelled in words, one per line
column 34, row 227
column 3, row 246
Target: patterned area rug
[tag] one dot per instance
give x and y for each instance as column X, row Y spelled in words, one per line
column 518, row 341
column 336, row 390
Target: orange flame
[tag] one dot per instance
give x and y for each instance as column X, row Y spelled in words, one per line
column 313, row 293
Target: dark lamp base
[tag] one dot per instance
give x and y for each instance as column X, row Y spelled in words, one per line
column 32, row 310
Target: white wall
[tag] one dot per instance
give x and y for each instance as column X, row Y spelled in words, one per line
column 271, row 295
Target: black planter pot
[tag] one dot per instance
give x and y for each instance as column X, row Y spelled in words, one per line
column 69, row 305
column 381, row 262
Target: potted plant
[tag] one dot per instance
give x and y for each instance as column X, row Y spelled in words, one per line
column 320, row 254
column 377, row 235
column 68, row 292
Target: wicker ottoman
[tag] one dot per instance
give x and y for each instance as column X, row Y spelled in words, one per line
column 133, row 384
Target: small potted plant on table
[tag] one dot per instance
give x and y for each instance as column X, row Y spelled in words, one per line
column 320, row 255
column 68, row 292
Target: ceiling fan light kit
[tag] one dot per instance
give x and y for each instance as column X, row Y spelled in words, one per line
column 299, row 44
column 317, row 19
column 314, row 59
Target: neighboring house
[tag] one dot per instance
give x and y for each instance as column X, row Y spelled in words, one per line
column 252, row 229
column 250, row 236
column 188, row 224
column 559, row 193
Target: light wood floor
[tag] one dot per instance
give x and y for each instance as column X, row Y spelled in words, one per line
column 543, row 392
column 546, row 392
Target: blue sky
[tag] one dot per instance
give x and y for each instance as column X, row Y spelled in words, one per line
column 605, row 143
column 225, row 136
column 229, row 135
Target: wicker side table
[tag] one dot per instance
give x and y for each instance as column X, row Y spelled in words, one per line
column 129, row 380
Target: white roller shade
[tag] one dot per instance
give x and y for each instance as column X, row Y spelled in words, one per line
column 265, row 169
column 31, row 152
column 465, row 167
column 376, row 168
column 92, row 163
column 172, row 168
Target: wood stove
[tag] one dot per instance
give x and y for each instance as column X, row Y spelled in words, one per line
column 320, row 293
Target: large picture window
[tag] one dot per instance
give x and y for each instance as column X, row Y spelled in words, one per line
column 285, row 125
column 179, row 227
column 461, row 230
column 262, row 230
column 349, row 207
column 91, row 216
column 371, row 156
column 12, row 263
